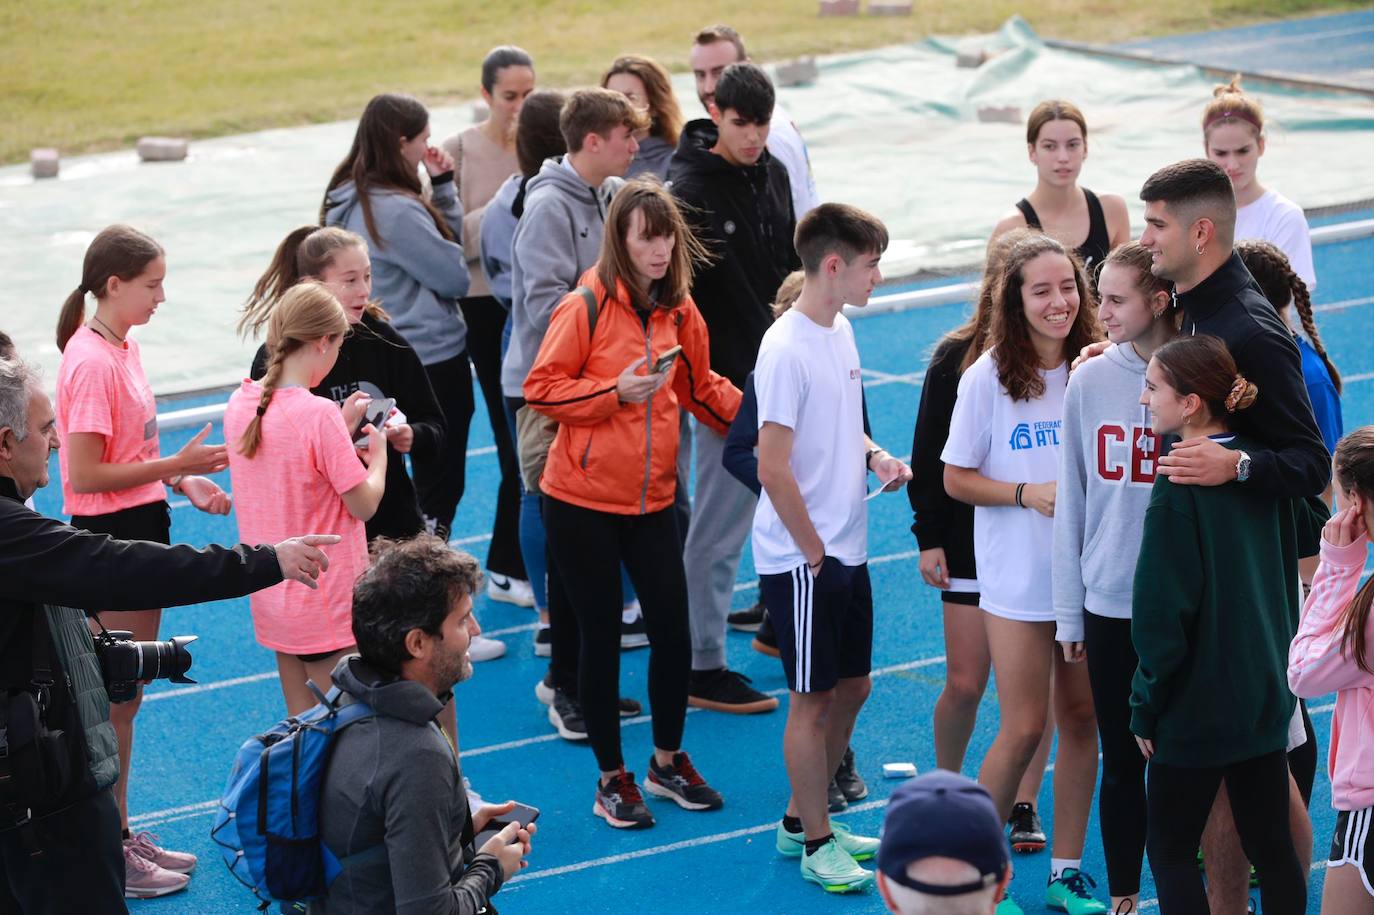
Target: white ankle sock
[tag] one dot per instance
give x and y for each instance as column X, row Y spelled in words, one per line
column 1059, row 865
column 630, row 613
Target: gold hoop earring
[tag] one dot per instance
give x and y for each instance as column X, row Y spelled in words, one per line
column 1199, row 250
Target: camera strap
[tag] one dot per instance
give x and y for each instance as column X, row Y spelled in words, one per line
column 41, row 679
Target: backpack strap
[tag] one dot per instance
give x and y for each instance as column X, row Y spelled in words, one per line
column 593, row 309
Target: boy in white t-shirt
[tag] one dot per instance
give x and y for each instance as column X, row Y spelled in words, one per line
column 810, row 528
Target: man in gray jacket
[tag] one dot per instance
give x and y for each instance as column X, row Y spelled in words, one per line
column 393, row 795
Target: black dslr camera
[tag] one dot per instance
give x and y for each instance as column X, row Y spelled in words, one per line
column 125, row 663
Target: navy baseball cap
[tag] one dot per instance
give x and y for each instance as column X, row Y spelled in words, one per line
column 943, row 815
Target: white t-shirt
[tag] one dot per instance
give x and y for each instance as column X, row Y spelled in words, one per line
column 1276, row 219
column 787, row 146
column 1014, row 441
column 807, row 379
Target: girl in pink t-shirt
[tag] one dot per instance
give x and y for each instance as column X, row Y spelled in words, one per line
column 293, row 463
column 112, row 471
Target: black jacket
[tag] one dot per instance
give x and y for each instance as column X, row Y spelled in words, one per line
column 939, row 521
column 43, row 561
column 744, row 217
column 375, row 357
column 1228, row 304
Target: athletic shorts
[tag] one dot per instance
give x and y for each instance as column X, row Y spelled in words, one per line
column 152, row 521
column 962, row 598
column 1350, row 843
column 823, row 624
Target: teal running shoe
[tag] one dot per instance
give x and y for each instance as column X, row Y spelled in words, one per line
column 1070, row 893
column 860, row 848
column 834, row 870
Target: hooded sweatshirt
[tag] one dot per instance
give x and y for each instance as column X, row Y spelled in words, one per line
column 557, row 239
column 393, row 783
column 743, row 214
column 417, row 274
column 499, row 220
column 1106, row 471
column 655, row 153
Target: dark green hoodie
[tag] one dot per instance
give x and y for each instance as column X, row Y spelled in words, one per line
column 1215, row 607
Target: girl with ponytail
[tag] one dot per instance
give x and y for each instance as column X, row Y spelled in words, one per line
column 1331, row 653
column 1212, row 614
column 292, row 461
column 114, row 478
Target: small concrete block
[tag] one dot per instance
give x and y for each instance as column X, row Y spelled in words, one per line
column 162, row 149
column 839, row 7
column 44, row 162
column 889, row 8
column 999, row 114
column 970, row 59
column 798, row 72
column 480, row 111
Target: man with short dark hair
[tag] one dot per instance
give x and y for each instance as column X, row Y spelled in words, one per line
column 943, row 848
column 737, row 199
column 393, row 785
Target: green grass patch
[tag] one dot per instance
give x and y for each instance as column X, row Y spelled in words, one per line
column 84, row 75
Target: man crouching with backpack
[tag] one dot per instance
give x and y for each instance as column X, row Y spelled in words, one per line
column 393, row 808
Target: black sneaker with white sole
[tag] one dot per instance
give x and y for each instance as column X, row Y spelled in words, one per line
column 1027, row 835
column 620, row 803
column 633, row 635
column 835, row 798
column 849, row 779
column 747, row 620
column 565, row 714
column 681, row 784
column 765, row 640
column 543, row 691
column 543, row 642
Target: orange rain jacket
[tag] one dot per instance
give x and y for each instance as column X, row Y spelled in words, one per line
column 618, row 457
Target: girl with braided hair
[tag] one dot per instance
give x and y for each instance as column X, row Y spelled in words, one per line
column 1283, row 287
column 292, row 461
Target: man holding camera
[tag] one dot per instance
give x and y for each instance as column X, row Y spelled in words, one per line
column 60, row 848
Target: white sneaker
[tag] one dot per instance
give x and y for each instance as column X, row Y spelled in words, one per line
column 482, row 648
column 509, row 590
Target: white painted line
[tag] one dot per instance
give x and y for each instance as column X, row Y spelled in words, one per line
column 159, row 816
column 208, row 687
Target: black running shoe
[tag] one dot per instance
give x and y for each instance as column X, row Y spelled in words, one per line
column 836, row 798
column 724, row 690
column 765, row 640
column 629, row 708
column 1027, row 835
column 849, row 779
column 543, row 642
column 747, row 620
column 633, row 635
column 565, row 714
column 681, row 784
column 619, row 802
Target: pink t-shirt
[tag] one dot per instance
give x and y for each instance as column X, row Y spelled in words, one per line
column 101, row 388
column 292, row 486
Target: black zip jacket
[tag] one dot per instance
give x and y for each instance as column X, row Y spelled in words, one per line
column 43, row 561
column 1228, row 304
column 938, row 520
column 744, row 217
column 376, row 358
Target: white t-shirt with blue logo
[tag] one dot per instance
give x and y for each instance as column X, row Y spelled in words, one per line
column 1014, row 441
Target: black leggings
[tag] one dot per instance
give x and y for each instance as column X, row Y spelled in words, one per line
column 1180, row 799
column 1303, row 760
column 1121, row 802
column 440, row 478
column 486, row 319
column 589, row 547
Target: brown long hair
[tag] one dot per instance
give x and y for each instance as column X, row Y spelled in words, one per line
column 117, row 250
column 1136, row 257
column 664, row 114
column 974, row 331
column 374, row 161
column 662, row 217
column 1271, row 269
column 1202, row 365
column 1053, row 110
column 307, row 312
column 1009, row 335
column 1355, row 473
column 304, row 254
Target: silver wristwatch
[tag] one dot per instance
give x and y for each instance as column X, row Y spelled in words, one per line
column 1242, row 467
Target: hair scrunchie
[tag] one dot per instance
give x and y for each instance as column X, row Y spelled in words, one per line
column 263, row 410
column 1238, row 388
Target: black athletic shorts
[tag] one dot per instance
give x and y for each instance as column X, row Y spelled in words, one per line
column 962, row 598
column 1351, row 843
column 823, row 624
column 152, row 521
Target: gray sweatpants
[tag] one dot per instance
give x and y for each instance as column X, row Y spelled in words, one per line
column 722, row 518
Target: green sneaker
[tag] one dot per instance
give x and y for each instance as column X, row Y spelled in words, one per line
column 1070, row 894
column 1007, row 906
column 833, row 868
column 860, row 848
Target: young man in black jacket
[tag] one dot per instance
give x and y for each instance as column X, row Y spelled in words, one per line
column 739, row 201
column 61, row 852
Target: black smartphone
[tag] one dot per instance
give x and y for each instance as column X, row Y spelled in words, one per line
column 665, row 361
column 522, row 814
column 376, row 413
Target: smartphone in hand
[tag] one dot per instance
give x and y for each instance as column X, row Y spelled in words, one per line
column 522, row 814
column 665, row 361
column 376, row 413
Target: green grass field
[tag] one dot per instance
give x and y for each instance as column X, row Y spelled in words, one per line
column 84, row 75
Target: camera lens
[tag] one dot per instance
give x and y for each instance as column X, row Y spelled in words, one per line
column 167, row 660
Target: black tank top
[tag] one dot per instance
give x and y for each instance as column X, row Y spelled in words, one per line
column 1094, row 249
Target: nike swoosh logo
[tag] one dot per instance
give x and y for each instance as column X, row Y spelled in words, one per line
column 501, row 585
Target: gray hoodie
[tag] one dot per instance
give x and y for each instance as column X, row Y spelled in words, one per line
column 557, row 239
column 1106, row 473
column 418, row 275
column 393, row 792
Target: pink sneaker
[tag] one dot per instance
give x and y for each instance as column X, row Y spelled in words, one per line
column 145, row 845
column 145, row 880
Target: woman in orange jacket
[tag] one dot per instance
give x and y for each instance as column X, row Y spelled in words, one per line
column 622, row 354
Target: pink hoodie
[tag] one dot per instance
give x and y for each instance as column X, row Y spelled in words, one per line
column 1316, row 667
